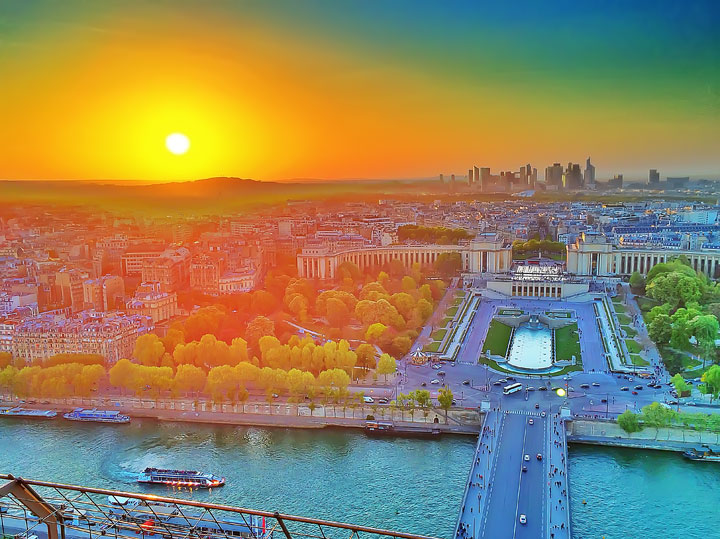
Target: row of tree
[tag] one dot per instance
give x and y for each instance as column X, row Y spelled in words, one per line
column 432, row 234
column 58, row 381
column 657, row 416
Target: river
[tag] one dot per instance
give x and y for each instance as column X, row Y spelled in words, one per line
column 413, row 485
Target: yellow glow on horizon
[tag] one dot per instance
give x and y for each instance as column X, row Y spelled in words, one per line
column 177, row 143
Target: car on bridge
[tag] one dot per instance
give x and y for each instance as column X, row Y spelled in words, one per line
column 526, row 458
column 530, row 421
column 595, row 384
column 523, row 519
column 538, row 456
column 624, row 388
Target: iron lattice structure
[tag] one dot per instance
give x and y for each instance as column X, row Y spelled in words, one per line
column 32, row 509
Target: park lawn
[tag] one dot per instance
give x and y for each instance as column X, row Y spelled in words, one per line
column 690, row 363
column 457, row 301
column 445, row 321
column 638, row 361
column 567, row 343
column 497, row 339
column 619, row 307
column 629, row 331
column 452, row 311
column 633, row 346
column 439, row 334
column 432, row 347
column 624, row 319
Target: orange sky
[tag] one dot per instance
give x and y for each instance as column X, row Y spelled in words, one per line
column 270, row 94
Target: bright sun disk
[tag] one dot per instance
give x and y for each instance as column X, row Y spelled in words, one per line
column 177, row 143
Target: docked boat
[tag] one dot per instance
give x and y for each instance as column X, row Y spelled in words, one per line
column 101, row 416
column 180, row 478
column 710, row 454
column 27, row 412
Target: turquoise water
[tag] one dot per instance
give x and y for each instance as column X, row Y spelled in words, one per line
column 406, row 484
column 413, row 485
column 642, row 494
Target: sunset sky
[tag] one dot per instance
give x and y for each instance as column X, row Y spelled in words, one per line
column 89, row 89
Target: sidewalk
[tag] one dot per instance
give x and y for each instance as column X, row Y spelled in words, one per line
column 558, row 510
column 472, row 513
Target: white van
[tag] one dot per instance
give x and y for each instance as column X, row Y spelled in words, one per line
column 368, row 400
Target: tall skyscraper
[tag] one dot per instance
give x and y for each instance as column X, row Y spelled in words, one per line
column 572, row 179
column 484, row 178
column 554, row 175
column 470, row 177
column 654, row 177
column 476, row 176
column 589, row 176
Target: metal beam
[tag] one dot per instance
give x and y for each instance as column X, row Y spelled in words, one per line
column 27, row 496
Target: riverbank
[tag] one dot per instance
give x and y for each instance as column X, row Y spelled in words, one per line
column 285, row 415
column 663, row 439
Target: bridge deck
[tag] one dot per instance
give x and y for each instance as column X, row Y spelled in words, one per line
column 499, row 491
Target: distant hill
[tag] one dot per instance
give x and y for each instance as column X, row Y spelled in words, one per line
column 207, row 195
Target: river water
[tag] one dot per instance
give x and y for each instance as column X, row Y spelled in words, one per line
column 413, row 485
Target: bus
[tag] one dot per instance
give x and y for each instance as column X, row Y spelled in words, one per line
column 512, row 388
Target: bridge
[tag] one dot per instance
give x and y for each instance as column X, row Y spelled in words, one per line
column 509, row 491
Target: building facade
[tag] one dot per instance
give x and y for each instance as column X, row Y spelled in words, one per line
column 486, row 253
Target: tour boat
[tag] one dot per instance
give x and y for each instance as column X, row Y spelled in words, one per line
column 180, row 478
column 703, row 453
column 102, row 416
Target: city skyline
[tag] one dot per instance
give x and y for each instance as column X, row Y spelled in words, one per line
column 409, row 90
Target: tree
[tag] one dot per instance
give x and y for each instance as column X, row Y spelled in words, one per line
column 680, row 385
column 711, row 378
column 5, row 359
column 149, row 350
column 375, row 332
column 386, row 365
column 401, row 345
column 674, row 288
column 448, row 264
column 445, row 399
column 660, row 329
column 338, row 314
column 657, row 415
column 628, row 421
column 637, row 283
column 705, row 329
column 189, row 379
column 366, row 356
column 258, row 327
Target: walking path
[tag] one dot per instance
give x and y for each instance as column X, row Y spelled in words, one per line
column 558, row 511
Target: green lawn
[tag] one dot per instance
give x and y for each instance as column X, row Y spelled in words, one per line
column 439, row 334
column 452, row 311
column 638, row 361
column 619, row 307
column 445, row 321
column 630, row 331
column 633, row 346
column 567, row 343
column 432, row 347
column 624, row 319
column 497, row 339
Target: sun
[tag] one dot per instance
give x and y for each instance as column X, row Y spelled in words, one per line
column 177, row 143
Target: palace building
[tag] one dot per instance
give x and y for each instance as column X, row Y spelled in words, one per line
column 486, row 253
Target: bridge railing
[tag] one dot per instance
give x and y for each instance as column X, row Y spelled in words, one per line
column 32, row 509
